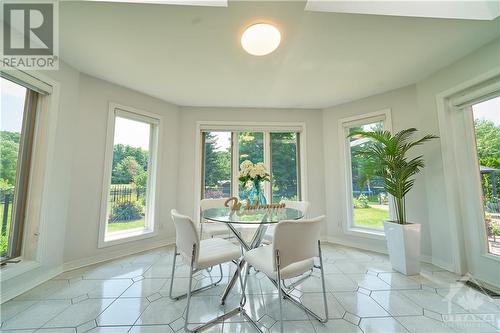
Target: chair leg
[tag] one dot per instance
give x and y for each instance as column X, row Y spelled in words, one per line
column 173, row 272
column 280, row 295
column 323, row 282
column 176, row 298
column 186, row 322
column 243, row 283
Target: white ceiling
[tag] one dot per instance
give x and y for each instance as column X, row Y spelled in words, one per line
column 471, row 10
column 190, row 55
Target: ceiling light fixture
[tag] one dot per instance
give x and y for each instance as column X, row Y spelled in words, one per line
column 260, row 39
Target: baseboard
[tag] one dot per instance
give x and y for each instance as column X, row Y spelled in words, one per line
column 357, row 245
column 424, row 258
column 20, row 288
column 110, row 255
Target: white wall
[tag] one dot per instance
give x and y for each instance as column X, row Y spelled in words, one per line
column 71, row 218
column 87, row 170
column 445, row 247
column 412, row 106
column 404, row 114
column 57, row 158
column 187, row 136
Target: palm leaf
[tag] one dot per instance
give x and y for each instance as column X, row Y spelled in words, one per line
column 388, row 159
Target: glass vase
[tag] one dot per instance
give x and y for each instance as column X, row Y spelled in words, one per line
column 256, row 195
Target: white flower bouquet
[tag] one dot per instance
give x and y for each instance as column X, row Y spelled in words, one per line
column 250, row 172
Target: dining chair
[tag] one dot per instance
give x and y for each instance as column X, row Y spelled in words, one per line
column 292, row 253
column 199, row 255
column 303, row 206
column 210, row 228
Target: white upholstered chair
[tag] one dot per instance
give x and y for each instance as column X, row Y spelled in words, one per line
column 291, row 254
column 199, row 255
column 303, row 206
column 209, row 228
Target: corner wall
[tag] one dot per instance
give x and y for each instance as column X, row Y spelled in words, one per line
column 412, row 106
column 88, row 164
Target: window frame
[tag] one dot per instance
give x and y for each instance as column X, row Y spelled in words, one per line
column 24, row 169
column 344, row 125
column 475, row 191
column 236, row 127
column 151, row 214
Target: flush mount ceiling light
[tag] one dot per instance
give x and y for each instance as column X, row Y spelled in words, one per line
column 260, row 39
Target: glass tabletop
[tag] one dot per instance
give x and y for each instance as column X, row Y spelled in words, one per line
column 257, row 216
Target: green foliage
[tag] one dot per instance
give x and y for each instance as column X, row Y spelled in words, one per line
column 126, row 170
column 284, row 165
column 217, row 162
column 392, row 163
column 488, row 142
column 140, row 180
column 4, row 184
column 360, row 202
column 126, row 209
column 495, row 228
column 9, row 150
column 121, row 152
column 251, row 146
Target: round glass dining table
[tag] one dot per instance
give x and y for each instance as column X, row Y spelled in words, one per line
column 261, row 218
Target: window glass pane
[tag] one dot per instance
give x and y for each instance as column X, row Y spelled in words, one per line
column 217, row 165
column 369, row 200
column 487, row 132
column 251, row 147
column 129, row 176
column 11, row 128
column 284, row 166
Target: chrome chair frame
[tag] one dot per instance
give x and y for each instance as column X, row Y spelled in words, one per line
column 240, row 309
column 176, row 298
column 283, row 294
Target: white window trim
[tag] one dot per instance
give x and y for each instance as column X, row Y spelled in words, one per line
column 447, row 103
column 151, row 228
column 343, row 126
column 231, row 126
column 35, row 243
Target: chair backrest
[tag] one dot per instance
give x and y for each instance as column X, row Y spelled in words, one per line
column 297, row 241
column 211, row 203
column 303, row 206
column 185, row 235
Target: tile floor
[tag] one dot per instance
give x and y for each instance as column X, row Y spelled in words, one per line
column 364, row 295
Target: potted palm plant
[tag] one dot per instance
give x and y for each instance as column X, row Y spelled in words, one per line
column 389, row 156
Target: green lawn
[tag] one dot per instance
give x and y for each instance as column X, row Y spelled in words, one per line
column 370, row 217
column 120, row 226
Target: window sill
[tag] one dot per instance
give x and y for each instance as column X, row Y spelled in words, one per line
column 126, row 236
column 366, row 233
column 10, row 271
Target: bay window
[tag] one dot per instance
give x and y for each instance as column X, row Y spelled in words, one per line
column 223, row 150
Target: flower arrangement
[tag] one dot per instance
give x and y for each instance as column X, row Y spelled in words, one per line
column 254, row 175
column 250, row 172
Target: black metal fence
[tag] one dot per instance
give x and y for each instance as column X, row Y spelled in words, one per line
column 6, row 205
column 124, row 193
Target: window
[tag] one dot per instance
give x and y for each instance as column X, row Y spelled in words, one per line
column 368, row 203
column 285, row 166
column 250, row 147
column 217, row 164
column 17, row 127
column 224, row 151
column 130, row 189
column 486, row 117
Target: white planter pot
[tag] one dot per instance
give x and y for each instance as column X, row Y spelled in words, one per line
column 403, row 245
